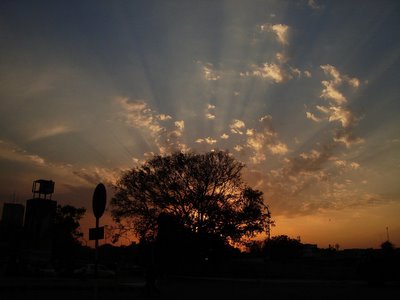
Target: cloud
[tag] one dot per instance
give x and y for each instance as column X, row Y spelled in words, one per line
column 163, row 117
column 278, row 148
column 180, row 125
column 210, row 116
column 306, row 183
column 336, row 111
column 166, row 137
column 331, row 93
column 295, row 71
column 276, row 72
column 311, row 116
column 263, row 138
column 343, row 115
column 12, row 152
column 267, row 71
column 209, row 112
column 312, row 155
column 209, row 72
column 323, row 109
column 137, row 114
column 280, row 30
column 347, row 138
column 36, row 159
column 207, row 140
column 224, row 136
column 281, row 57
column 237, row 126
column 337, row 78
column 50, row 132
column 354, row 82
column 332, row 72
column 347, row 165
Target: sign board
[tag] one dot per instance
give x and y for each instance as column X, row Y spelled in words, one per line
column 99, row 200
column 96, row 233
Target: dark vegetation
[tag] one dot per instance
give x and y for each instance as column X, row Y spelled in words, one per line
column 202, row 193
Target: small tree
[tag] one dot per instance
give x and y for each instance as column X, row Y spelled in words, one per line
column 204, row 193
column 67, row 232
column 283, row 248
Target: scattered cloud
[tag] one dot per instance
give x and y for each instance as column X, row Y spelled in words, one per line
column 336, row 111
column 295, row 72
column 210, row 112
column 237, row 126
column 163, row 117
column 281, row 31
column 210, row 116
column 139, row 115
column 262, row 139
column 207, row 140
column 278, row 148
column 311, row 116
column 166, row 136
column 331, row 93
column 347, row 165
column 343, row 115
column 238, row 148
column 36, row 159
column 224, row 136
column 209, row 72
column 180, row 125
column 267, row 71
column 281, row 57
column 337, row 78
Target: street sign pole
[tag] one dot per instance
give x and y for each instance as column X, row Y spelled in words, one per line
column 96, row 246
column 99, row 205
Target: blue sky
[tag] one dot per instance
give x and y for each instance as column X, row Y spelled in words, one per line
column 304, row 92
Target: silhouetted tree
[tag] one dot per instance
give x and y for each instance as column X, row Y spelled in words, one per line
column 282, row 247
column 205, row 194
column 67, row 232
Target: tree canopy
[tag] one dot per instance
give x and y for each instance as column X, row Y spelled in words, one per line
column 204, row 192
column 67, row 231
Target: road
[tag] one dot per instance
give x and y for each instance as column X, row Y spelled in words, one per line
column 193, row 288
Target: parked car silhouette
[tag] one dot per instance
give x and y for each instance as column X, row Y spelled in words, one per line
column 89, row 271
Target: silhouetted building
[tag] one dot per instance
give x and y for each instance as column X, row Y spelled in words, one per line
column 39, row 221
column 11, row 233
column 13, row 215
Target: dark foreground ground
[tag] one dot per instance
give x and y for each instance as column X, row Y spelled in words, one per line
column 193, row 288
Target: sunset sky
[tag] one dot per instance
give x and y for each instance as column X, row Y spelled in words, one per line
column 305, row 93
